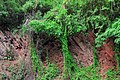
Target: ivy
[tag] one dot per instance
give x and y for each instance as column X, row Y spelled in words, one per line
column 60, row 24
column 63, row 18
column 40, row 72
column 69, row 17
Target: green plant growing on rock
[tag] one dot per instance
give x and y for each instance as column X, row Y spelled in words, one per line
column 40, row 72
column 37, row 66
column 112, row 75
column 87, row 73
column 50, row 72
column 60, row 24
column 65, row 19
column 112, row 31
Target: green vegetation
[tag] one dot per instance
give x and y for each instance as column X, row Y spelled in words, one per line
column 18, row 72
column 62, row 19
column 111, row 74
column 39, row 70
column 88, row 73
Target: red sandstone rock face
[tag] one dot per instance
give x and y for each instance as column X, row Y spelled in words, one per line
column 106, row 56
column 91, row 37
column 80, row 47
column 105, row 53
column 17, row 48
column 55, row 54
column 81, row 50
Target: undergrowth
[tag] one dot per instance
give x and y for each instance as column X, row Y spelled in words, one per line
column 87, row 73
column 17, row 72
column 112, row 75
column 63, row 18
column 69, row 17
column 92, row 73
column 41, row 72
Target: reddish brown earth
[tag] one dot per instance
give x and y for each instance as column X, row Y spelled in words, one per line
column 106, row 56
column 55, row 54
column 80, row 46
column 18, row 49
column 81, row 49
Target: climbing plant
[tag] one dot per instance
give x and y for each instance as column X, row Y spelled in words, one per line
column 60, row 24
column 62, row 19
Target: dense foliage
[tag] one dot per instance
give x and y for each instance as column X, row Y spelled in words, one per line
column 63, row 18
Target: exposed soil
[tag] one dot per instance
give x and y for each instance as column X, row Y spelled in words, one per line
column 80, row 48
column 14, row 51
column 106, row 56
